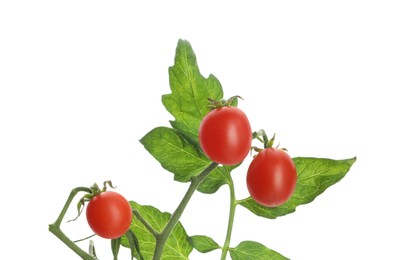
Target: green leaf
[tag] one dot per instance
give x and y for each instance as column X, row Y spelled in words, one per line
column 175, row 153
column 178, row 155
column 203, row 244
column 178, row 149
column 315, row 175
column 249, row 250
column 214, row 180
column 188, row 101
column 177, row 246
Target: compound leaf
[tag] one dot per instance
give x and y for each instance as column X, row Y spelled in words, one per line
column 188, row 101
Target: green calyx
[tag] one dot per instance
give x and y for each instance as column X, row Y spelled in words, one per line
column 213, row 104
column 262, row 137
column 95, row 190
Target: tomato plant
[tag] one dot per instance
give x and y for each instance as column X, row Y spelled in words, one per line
column 225, row 135
column 271, row 177
column 109, row 214
column 203, row 147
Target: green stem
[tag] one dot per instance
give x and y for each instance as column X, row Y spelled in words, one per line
column 163, row 236
column 265, row 139
column 85, row 238
column 145, row 223
column 56, row 230
column 233, row 204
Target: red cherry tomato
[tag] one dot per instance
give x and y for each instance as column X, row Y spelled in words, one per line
column 271, row 177
column 225, row 135
column 109, row 215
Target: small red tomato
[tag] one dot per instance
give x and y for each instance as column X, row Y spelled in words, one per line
column 271, row 177
column 225, row 135
column 109, row 214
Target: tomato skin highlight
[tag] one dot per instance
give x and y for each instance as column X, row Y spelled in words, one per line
column 109, row 214
column 225, row 135
column 271, row 177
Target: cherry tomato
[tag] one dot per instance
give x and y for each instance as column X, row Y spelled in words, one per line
column 225, row 135
column 109, row 215
column 271, row 177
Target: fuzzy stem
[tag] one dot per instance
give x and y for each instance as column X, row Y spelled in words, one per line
column 145, row 223
column 163, row 236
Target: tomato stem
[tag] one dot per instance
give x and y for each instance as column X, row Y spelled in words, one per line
column 56, row 230
column 145, row 223
column 233, row 204
column 262, row 137
column 85, row 238
column 213, row 104
column 163, row 236
column 265, row 139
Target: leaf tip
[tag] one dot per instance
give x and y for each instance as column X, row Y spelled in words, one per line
column 352, row 160
column 183, row 42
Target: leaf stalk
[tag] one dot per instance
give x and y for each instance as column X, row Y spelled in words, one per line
column 232, row 212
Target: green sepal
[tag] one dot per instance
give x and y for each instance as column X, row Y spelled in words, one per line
column 134, row 245
column 115, row 245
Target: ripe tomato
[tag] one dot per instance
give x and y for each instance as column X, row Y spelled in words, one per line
column 271, row 177
column 225, row 135
column 109, row 214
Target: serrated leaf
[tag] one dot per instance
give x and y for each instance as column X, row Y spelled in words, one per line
column 188, row 101
column 315, row 175
column 177, row 246
column 175, row 153
column 178, row 155
column 250, row 250
column 203, row 244
column 178, row 150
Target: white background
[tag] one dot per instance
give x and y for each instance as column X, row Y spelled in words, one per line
column 81, row 83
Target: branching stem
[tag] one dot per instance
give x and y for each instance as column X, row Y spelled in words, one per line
column 163, row 236
column 56, row 230
column 145, row 223
column 160, row 237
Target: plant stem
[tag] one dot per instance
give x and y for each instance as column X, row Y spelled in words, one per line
column 145, row 223
column 85, row 238
column 56, row 230
column 163, row 236
column 233, row 204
